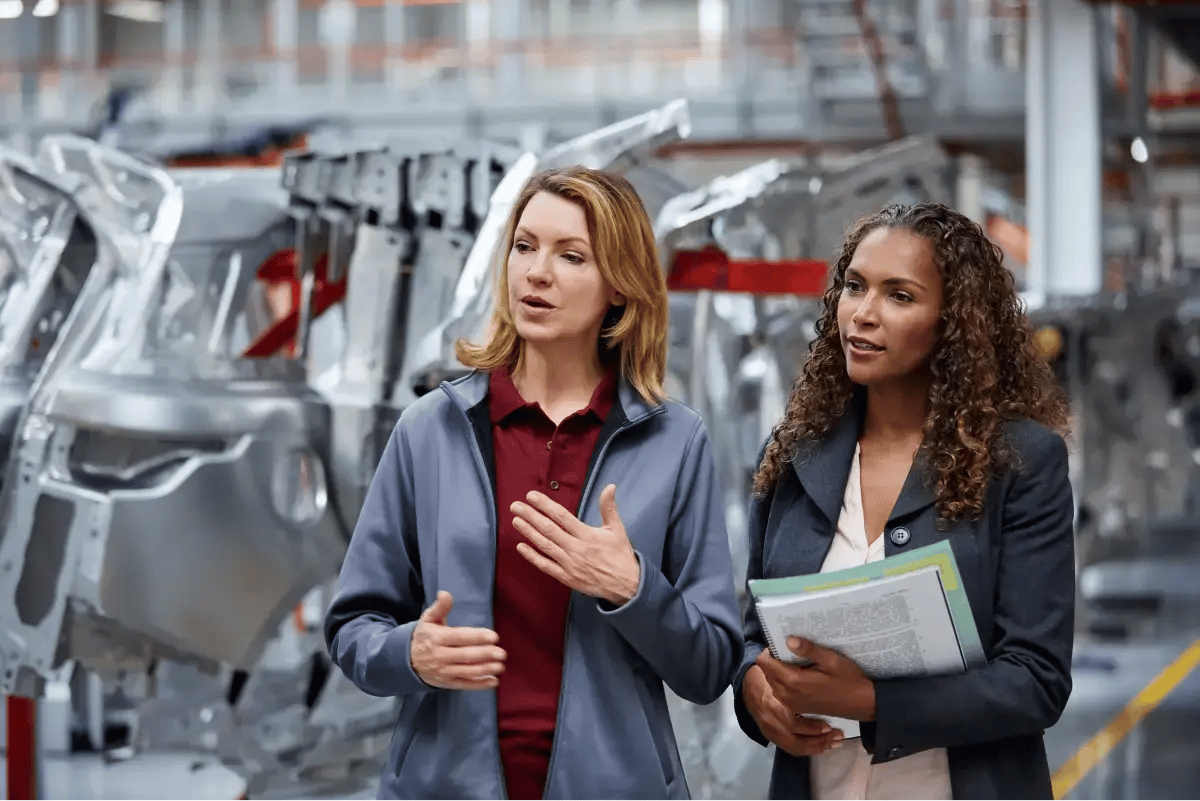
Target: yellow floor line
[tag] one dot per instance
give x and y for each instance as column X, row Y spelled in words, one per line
column 1095, row 749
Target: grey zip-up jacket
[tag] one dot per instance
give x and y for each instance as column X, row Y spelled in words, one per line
column 429, row 524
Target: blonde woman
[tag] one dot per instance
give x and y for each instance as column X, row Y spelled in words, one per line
column 491, row 581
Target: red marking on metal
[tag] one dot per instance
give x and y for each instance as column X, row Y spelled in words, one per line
column 712, row 269
column 1167, row 100
column 280, row 268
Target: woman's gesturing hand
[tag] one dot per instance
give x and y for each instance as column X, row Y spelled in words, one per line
column 798, row 736
column 599, row 562
column 454, row 657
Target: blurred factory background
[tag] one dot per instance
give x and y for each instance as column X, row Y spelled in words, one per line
column 238, row 237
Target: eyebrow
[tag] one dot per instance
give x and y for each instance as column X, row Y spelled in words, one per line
column 523, row 230
column 891, row 281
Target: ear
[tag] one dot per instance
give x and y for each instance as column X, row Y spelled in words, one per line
column 616, row 298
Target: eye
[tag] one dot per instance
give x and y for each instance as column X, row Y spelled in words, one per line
column 903, row 297
column 573, row 258
column 522, row 246
column 853, row 285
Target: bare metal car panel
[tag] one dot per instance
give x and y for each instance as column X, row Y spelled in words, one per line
column 143, row 445
column 46, row 251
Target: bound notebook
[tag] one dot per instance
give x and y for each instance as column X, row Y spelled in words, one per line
column 903, row 616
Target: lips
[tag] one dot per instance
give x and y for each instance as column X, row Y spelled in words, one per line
column 864, row 345
column 534, row 302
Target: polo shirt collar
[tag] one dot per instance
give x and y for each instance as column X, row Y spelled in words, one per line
column 504, row 399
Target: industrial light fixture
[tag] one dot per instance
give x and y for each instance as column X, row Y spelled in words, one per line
column 11, row 9
column 137, row 10
column 45, row 8
column 1139, row 151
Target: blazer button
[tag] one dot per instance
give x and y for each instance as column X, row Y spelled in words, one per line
column 900, row 535
column 553, row 485
column 896, row 753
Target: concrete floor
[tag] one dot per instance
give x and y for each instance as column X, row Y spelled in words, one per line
column 1160, row 757
column 149, row 776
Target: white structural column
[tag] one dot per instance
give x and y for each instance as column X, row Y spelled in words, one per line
column 1063, row 150
column 337, row 25
column 89, row 51
column 89, row 37
column 285, row 39
column 394, row 35
column 70, row 88
column 208, row 76
column 635, row 72
column 713, row 20
column 956, row 71
column 29, row 30
column 477, row 33
column 559, row 17
column 170, row 94
column 507, row 31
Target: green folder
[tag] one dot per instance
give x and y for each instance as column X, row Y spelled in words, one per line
column 939, row 554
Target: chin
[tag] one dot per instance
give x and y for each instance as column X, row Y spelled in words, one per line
column 864, row 377
column 531, row 331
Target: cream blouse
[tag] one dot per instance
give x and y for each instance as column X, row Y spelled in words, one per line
column 845, row 771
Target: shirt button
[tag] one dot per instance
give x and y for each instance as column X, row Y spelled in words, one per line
column 553, row 485
column 549, row 444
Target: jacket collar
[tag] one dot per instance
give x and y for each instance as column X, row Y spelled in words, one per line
column 824, row 468
column 470, row 390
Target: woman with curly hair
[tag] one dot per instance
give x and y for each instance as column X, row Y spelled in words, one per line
column 923, row 413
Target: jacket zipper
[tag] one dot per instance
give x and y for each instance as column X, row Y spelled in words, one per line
column 491, row 494
column 587, row 489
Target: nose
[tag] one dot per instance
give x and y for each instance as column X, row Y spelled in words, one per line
column 539, row 272
column 867, row 313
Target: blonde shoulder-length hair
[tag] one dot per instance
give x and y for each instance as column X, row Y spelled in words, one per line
column 622, row 240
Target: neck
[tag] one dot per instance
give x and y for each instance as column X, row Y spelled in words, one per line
column 897, row 411
column 551, row 376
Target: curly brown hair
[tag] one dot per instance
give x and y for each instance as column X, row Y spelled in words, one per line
column 986, row 367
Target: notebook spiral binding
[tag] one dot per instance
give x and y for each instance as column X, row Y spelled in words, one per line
column 762, row 624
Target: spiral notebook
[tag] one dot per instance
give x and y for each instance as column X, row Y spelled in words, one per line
column 903, row 616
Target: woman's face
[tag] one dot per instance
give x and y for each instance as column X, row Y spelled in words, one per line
column 890, row 306
column 555, row 289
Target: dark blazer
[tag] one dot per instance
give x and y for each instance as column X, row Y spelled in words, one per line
column 1018, row 567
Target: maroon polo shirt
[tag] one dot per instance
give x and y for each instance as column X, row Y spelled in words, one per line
column 530, row 608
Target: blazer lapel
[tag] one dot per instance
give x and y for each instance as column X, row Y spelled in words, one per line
column 824, row 468
column 917, row 493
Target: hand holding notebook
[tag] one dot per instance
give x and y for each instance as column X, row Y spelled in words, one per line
column 907, row 615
